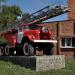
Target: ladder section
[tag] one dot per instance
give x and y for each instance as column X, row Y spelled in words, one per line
column 39, row 16
column 48, row 12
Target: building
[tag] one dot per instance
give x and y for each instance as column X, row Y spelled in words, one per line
column 71, row 6
column 64, row 32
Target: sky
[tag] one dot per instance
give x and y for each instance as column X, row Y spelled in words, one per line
column 31, row 6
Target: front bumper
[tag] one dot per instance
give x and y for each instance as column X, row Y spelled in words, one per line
column 45, row 41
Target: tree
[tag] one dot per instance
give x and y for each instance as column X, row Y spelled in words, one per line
column 16, row 10
column 12, row 10
column 9, row 14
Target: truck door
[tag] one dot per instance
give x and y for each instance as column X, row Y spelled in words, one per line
column 19, row 35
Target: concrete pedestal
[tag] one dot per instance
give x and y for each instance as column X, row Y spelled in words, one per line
column 38, row 63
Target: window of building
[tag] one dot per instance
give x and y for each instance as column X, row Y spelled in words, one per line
column 67, row 42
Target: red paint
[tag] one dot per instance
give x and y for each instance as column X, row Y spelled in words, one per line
column 10, row 38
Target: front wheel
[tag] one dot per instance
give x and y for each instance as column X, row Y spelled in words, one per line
column 48, row 48
column 28, row 49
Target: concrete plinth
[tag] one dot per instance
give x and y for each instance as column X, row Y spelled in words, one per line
column 38, row 63
column 50, row 62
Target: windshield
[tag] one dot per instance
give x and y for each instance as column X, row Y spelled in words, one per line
column 33, row 27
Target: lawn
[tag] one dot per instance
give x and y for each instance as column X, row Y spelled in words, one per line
column 8, row 68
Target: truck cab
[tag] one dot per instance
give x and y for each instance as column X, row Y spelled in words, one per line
column 34, row 37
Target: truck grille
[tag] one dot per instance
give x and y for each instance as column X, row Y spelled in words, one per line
column 44, row 35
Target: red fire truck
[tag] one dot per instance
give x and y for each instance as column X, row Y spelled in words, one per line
column 25, row 38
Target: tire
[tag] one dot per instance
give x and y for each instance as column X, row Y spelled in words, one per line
column 48, row 48
column 28, row 49
column 7, row 50
column 1, row 51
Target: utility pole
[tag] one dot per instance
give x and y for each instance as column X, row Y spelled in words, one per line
column 58, row 37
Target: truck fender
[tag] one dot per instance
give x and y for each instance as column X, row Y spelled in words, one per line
column 28, row 37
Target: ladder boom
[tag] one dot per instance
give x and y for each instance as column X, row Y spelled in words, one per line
column 39, row 16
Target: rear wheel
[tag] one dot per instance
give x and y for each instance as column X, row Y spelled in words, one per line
column 1, row 51
column 28, row 48
column 7, row 50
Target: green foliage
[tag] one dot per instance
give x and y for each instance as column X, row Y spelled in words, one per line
column 15, row 10
column 9, row 14
column 12, row 10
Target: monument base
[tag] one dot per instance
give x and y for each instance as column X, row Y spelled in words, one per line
column 38, row 63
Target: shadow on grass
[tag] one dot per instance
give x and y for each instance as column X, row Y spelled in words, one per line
column 24, row 61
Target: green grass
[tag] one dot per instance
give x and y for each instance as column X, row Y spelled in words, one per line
column 8, row 68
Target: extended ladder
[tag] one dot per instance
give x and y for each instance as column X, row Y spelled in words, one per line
column 39, row 16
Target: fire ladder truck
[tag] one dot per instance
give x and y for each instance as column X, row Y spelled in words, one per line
column 25, row 38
